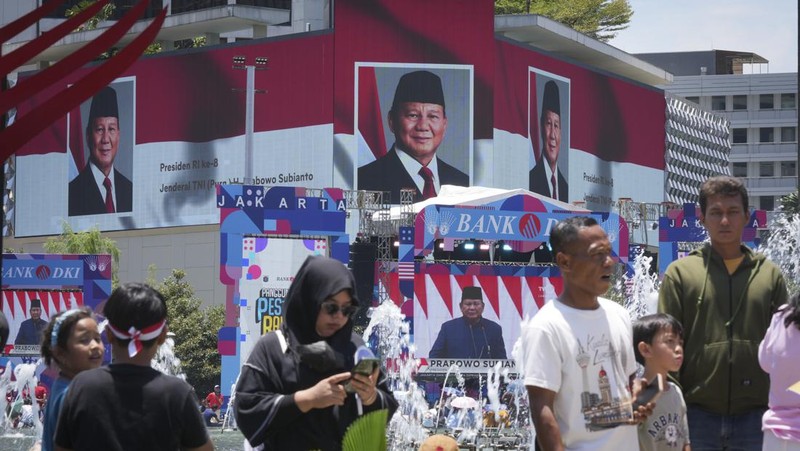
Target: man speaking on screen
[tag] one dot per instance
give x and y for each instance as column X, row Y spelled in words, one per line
column 471, row 336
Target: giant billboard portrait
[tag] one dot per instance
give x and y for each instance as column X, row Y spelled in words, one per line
column 414, row 126
column 101, row 163
column 611, row 130
column 181, row 130
column 549, row 131
column 325, row 121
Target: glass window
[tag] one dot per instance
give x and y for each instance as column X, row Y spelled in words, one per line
column 766, row 202
column 694, row 99
column 766, row 135
column 739, row 135
column 766, row 101
column 718, row 103
column 739, row 169
column 766, row 169
column 740, row 102
column 788, row 168
column 788, row 134
column 788, row 101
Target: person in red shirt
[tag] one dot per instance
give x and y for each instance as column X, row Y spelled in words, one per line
column 214, row 399
column 41, row 395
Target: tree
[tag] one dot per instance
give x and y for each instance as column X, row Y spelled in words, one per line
column 195, row 330
column 790, row 204
column 598, row 19
column 88, row 242
column 105, row 13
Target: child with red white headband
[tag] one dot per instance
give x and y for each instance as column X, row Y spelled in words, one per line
column 128, row 404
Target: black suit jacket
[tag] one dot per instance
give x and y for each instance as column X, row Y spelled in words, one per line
column 538, row 182
column 85, row 197
column 387, row 173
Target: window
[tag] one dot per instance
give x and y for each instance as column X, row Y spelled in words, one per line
column 693, row 99
column 766, row 169
column 788, row 101
column 718, row 103
column 739, row 135
column 766, row 101
column 788, row 134
column 766, row 135
column 788, row 168
column 740, row 102
column 739, row 169
column 766, row 202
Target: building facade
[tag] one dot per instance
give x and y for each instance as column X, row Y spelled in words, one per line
column 761, row 109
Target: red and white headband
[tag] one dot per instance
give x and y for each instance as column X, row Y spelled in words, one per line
column 136, row 337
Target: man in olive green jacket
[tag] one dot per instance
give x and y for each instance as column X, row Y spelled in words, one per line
column 724, row 294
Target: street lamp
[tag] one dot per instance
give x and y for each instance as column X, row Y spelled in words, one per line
column 240, row 62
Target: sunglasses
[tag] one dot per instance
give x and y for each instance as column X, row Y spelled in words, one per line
column 331, row 308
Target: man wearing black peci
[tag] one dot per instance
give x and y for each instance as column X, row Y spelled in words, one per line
column 100, row 188
column 471, row 336
column 418, row 121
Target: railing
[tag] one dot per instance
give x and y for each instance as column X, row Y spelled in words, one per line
column 122, row 7
column 184, row 6
column 178, row 6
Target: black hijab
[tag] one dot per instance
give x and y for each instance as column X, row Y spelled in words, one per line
column 318, row 279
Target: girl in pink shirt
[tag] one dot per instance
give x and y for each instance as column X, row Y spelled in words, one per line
column 779, row 355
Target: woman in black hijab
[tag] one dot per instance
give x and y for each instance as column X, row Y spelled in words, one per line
column 290, row 394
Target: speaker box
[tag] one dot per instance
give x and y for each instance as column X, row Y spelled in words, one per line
column 362, row 265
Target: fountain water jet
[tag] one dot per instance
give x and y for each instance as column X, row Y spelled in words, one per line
column 782, row 247
column 24, row 381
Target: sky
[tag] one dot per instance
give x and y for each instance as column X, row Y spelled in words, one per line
column 765, row 27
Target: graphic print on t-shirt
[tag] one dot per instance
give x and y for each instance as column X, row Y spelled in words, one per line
column 605, row 399
column 666, row 431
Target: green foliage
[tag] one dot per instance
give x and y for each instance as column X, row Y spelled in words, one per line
column 512, row 6
column 198, row 41
column 367, row 432
column 88, row 242
column 790, row 204
column 105, row 13
column 195, row 330
column 598, row 19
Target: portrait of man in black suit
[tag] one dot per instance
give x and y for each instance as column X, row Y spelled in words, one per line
column 418, row 120
column 471, row 336
column 546, row 177
column 30, row 330
column 100, row 188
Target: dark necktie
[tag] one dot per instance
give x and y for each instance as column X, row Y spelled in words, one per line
column 109, row 196
column 429, row 190
column 555, row 185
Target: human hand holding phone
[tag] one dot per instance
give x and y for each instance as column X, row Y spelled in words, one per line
column 364, row 367
column 650, row 392
column 645, row 396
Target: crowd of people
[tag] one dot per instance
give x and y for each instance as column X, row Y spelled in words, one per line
column 723, row 335
column 726, row 339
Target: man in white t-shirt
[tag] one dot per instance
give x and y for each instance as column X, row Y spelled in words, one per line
column 578, row 351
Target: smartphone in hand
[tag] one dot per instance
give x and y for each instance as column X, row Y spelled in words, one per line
column 650, row 392
column 364, row 367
